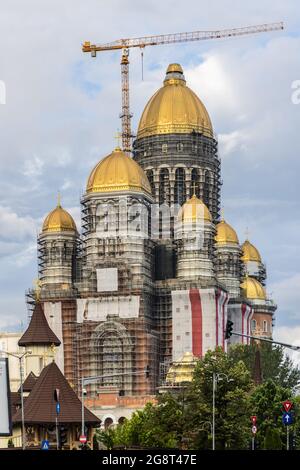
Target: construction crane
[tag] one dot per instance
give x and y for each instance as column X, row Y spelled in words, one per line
column 125, row 44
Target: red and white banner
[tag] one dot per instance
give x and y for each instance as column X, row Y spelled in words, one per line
column 241, row 315
column 247, row 312
column 198, row 321
column 222, row 298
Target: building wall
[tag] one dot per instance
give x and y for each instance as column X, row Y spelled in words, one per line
column 9, row 343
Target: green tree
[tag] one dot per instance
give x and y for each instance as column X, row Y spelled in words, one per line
column 272, row 439
column 266, row 403
column 184, row 417
column 107, row 437
column 275, row 364
column 232, row 430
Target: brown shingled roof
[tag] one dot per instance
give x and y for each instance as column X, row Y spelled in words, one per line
column 15, row 402
column 40, row 406
column 38, row 331
column 29, row 383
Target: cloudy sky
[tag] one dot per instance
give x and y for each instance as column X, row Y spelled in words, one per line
column 62, row 108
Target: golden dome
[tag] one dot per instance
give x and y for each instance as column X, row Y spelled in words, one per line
column 250, row 253
column 59, row 220
column 174, row 109
column 117, row 172
column 194, row 209
column 252, row 289
column 225, row 234
column 182, row 371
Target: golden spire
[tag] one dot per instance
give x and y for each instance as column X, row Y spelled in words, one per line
column 58, row 199
column 222, row 214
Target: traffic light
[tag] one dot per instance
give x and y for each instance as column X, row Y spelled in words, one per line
column 229, row 327
column 147, row 371
column 62, row 436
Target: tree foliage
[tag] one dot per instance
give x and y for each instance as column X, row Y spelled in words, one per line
column 275, row 364
column 183, row 419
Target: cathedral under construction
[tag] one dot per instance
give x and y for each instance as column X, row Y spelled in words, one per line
column 154, row 272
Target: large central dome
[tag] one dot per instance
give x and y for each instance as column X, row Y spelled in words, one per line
column 174, row 109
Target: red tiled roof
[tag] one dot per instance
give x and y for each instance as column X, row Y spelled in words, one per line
column 40, row 406
column 38, row 331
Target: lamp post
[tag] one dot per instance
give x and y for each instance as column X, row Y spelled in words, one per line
column 206, row 423
column 217, row 377
column 20, row 358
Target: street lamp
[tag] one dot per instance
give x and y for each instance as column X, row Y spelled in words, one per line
column 216, row 378
column 20, row 358
column 207, row 423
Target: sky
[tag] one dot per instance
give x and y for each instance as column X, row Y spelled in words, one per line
column 61, row 115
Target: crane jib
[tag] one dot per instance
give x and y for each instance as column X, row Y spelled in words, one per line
column 142, row 42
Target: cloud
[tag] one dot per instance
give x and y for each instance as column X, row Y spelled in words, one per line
column 287, row 295
column 14, row 228
column 62, row 113
column 289, row 335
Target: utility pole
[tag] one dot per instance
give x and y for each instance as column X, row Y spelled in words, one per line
column 217, row 377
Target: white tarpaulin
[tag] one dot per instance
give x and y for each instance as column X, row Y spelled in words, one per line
column 5, row 417
column 97, row 309
column 107, row 280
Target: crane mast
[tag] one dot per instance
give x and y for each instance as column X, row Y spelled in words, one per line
column 125, row 44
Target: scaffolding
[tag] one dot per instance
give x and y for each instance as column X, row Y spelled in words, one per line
column 128, row 348
column 178, row 164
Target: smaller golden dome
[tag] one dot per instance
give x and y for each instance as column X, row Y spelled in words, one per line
column 250, row 253
column 194, row 209
column 182, row 371
column 252, row 289
column 225, row 234
column 59, row 220
column 118, row 172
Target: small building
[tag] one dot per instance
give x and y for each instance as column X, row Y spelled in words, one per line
column 42, row 422
column 40, row 413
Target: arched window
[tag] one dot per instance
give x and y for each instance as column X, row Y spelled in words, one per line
column 112, row 355
column 206, row 189
column 108, row 423
column 179, row 189
column 150, row 177
column 195, row 186
column 164, row 186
